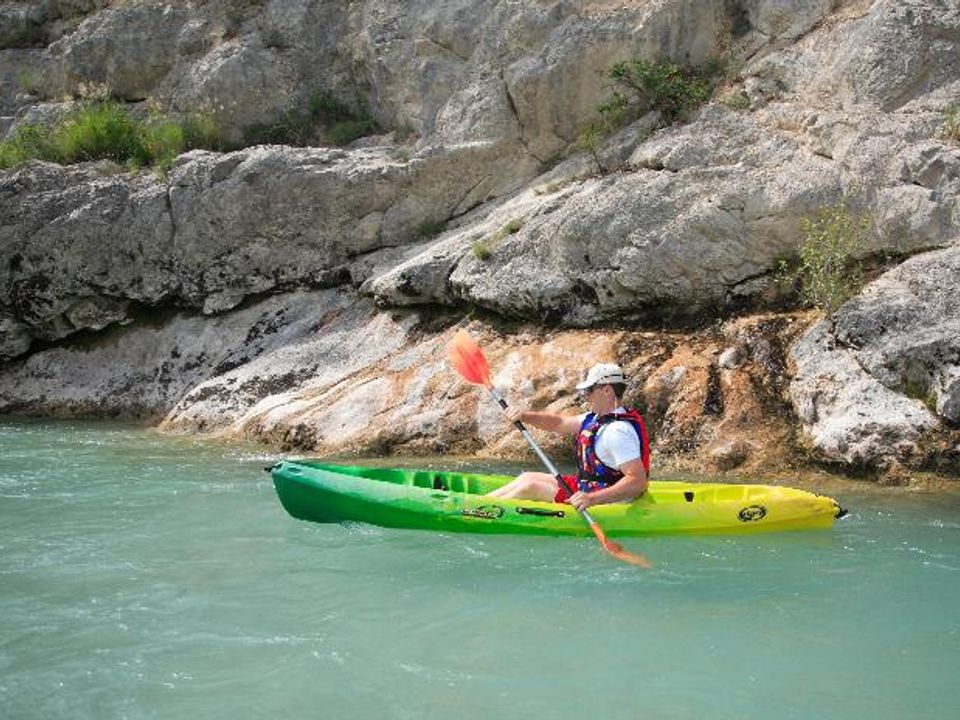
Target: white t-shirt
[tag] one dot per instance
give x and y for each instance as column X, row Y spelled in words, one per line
column 617, row 442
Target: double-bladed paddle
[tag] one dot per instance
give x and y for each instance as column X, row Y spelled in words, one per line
column 469, row 361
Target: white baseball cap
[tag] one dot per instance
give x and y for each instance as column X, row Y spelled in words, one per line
column 602, row 374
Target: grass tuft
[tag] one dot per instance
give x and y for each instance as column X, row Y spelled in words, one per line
column 951, row 124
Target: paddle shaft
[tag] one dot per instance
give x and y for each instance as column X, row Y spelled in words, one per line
column 543, row 457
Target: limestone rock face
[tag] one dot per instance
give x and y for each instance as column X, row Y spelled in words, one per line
column 868, row 386
column 322, row 387
column 853, row 62
column 475, row 196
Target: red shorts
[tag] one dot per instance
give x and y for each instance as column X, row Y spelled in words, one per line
column 570, row 481
column 563, row 492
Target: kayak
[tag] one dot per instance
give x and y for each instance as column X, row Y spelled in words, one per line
column 456, row 502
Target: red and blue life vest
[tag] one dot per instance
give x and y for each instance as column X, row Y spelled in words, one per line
column 592, row 474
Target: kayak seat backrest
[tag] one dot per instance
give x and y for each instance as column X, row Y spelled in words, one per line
column 423, row 479
column 430, row 480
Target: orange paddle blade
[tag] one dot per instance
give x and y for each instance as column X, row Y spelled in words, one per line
column 468, row 360
column 616, row 549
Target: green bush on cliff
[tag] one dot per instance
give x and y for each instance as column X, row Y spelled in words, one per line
column 101, row 131
column 640, row 86
column 826, row 269
column 321, row 118
column 105, row 130
column 30, row 141
column 951, row 124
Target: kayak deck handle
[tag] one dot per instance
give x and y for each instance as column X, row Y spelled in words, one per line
column 540, row 512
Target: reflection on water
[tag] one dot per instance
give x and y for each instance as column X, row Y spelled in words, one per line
column 151, row 577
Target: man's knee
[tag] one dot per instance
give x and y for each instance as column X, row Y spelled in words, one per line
column 534, row 486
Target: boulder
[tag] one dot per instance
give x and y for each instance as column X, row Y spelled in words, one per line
column 883, row 372
column 127, row 48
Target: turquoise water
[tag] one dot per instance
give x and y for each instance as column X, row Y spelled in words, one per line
column 150, row 577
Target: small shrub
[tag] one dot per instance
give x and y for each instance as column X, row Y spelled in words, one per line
column 202, row 130
column 951, row 124
column 404, row 132
column 28, row 82
column 344, row 133
column 293, row 127
column 100, row 131
column 737, row 100
column 29, row 141
column 163, row 140
column 826, row 269
column 641, row 86
column 324, row 107
column 484, row 247
column 615, row 111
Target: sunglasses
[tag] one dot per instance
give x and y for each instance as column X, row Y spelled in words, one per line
column 585, row 394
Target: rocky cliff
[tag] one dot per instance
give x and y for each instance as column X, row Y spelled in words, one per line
column 303, row 295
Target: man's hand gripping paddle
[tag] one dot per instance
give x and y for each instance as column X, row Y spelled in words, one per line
column 467, row 359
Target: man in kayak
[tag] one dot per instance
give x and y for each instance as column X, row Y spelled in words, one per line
column 613, row 449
